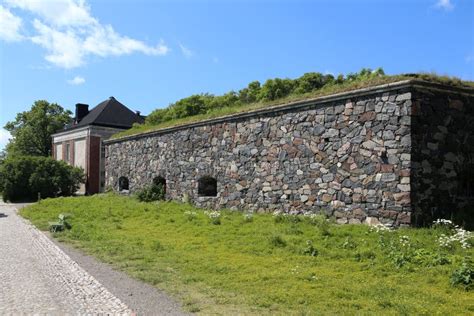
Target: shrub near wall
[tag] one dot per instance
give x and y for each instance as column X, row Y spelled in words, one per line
column 23, row 178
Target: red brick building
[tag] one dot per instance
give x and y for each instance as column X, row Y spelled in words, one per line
column 80, row 144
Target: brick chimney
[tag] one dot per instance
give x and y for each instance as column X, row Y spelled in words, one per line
column 81, row 111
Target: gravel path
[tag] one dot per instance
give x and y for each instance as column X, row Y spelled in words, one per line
column 37, row 277
column 142, row 298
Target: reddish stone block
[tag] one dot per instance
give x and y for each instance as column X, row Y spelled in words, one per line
column 327, row 198
column 389, row 214
column 402, row 198
column 385, row 168
column 405, row 172
column 367, row 116
column 297, row 141
column 359, row 213
column 404, row 218
column 387, row 195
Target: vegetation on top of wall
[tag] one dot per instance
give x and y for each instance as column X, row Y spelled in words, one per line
column 273, row 92
column 227, row 262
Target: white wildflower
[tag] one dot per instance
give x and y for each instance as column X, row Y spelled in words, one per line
column 190, row 215
column 379, row 228
column 248, row 217
column 277, row 213
column 213, row 214
column 460, row 236
column 404, row 241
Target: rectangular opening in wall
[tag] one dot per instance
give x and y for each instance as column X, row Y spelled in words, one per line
column 68, row 153
column 58, row 152
column 207, row 186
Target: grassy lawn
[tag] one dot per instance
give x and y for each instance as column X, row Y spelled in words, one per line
column 264, row 265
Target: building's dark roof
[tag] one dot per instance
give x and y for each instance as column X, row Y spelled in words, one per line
column 110, row 113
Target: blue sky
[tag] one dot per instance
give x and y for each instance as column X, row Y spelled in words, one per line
column 151, row 53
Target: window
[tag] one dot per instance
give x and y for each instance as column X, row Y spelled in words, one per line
column 160, row 181
column 68, row 152
column 102, row 151
column 59, row 152
column 123, row 184
column 207, row 186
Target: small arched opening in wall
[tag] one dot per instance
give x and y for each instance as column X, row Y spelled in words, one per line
column 123, row 184
column 160, row 181
column 207, row 186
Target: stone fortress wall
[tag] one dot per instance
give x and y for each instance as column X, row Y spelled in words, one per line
column 355, row 156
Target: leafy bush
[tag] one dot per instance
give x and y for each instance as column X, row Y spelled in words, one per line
column 251, row 93
column 154, row 192
column 452, row 234
column 349, row 243
column 214, row 217
column 280, row 216
column 248, row 217
column 276, row 88
column 190, row 215
column 401, row 251
column 27, row 178
column 464, row 275
column 322, row 223
column 157, row 246
column 365, row 255
column 277, row 241
column 271, row 90
column 310, row 250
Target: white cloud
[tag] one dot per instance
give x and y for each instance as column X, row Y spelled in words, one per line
column 69, row 33
column 469, row 58
column 4, row 138
column 104, row 41
column 9, row 26
column 186, row 51
column 58, row 12
column 64, row 48
column 76, row 81
column 215, row 60
column 445, row 5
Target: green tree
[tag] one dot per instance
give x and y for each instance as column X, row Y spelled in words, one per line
column 251, row 93
column 311, row 81
column 157, row 116
column 227, row 100
column 276, row 88
column 31, row 130
column 24, row 177
column 193, row 105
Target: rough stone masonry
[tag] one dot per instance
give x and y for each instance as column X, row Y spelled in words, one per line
column 402, row 153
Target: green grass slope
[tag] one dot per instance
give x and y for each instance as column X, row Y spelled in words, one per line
column 264, row 264
column 230, row 103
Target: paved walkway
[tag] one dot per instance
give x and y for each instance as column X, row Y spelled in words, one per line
column 36, row 277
